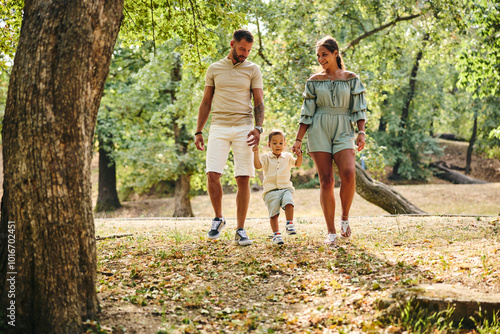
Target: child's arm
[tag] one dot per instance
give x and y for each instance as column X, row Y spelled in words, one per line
column 256, row 158
column 298, row 162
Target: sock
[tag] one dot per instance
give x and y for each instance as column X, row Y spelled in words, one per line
column 277, row 233
column 289, row 222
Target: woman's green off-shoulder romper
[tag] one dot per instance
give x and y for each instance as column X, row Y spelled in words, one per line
column 330, row 107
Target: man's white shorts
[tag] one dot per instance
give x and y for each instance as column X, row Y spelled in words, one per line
column 220, row 140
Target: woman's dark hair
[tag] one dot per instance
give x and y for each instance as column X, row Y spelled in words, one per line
column 331, row 45
column 239, row 34
column 275, row 132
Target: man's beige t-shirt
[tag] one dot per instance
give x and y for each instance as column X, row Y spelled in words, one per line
column 277, row 171
column 232, row 102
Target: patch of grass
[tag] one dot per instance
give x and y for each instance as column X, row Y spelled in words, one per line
column 419, row 321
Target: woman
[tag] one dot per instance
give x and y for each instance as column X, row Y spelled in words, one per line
column 334, row 99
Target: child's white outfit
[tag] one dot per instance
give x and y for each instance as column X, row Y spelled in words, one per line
column 278, row 188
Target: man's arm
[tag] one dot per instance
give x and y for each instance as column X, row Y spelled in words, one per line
column 203, row 113
column 258, row 106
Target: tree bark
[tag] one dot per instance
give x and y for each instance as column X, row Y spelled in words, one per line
column 470, row 148
column 55, row 88
column 383, row 195
column 183, row 183
column 380, row 194
column 107, row 198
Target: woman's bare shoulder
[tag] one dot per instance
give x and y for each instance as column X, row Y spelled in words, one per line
column 318, row 76
column 349, row 75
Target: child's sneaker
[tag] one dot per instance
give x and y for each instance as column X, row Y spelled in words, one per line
column 277, row 239
column 218, row 225
column 290, row 228
column 331, row 240
column 241, row 238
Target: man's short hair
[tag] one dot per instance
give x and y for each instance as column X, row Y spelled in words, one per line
column 239, row 34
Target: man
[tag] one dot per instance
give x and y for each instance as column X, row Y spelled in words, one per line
column 230, row 84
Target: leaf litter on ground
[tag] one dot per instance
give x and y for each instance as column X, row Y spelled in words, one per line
column 169, row 278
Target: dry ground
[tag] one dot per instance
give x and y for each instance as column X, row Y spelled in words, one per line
column 481, row 199
column 168, row 278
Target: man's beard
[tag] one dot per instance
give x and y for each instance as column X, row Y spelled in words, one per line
column 236, row 57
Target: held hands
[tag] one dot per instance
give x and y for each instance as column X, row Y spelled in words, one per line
column 296, row 148
column 198, row 141
column 360, row 141
column 254, row 138
column 255, row 149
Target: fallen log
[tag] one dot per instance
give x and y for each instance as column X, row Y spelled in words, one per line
column 445, row 173
column 382, row 195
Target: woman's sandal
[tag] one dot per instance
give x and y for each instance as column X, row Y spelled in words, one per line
column 331, row 240
column 345, row 229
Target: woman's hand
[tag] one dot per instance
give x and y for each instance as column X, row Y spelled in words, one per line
column 360, row 141
column 296, row 148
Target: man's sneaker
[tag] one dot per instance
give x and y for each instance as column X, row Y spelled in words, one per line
column 218, row 225
column 241, row 238
column 290, row 228
column 331, row 240
column 277, row 239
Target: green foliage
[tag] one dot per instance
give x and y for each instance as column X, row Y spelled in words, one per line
column 373, row 157
column 11, row 12
column 479, row 61
column 197, row 24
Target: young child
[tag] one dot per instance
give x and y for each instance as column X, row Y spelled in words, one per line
column 278, row 187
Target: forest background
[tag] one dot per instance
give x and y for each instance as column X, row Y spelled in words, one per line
column 429, row 67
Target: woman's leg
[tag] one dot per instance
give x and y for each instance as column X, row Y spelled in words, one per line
column 345, row 161
column 324, row 165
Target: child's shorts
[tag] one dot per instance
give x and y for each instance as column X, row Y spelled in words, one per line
column 277, row 198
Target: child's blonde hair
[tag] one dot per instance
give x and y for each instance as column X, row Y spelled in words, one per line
column 275, row 132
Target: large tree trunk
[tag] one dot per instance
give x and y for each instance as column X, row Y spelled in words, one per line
column 55, row 88
column 182, row 199
column 181, row 135
column 107, row 198
column 470, row 148
column 406, row 107
column 382, row 195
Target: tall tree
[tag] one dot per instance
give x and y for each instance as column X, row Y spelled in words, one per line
column 405, row 114
column 107, row 196
column 55, row 88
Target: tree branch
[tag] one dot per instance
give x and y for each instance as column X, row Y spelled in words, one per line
column 356, row 41
column 153, row 26
column 260, row 52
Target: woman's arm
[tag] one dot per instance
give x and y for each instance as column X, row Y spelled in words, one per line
column 298, row 139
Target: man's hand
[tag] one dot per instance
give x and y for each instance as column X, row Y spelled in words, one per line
column 254, row 137
column 198, row 141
